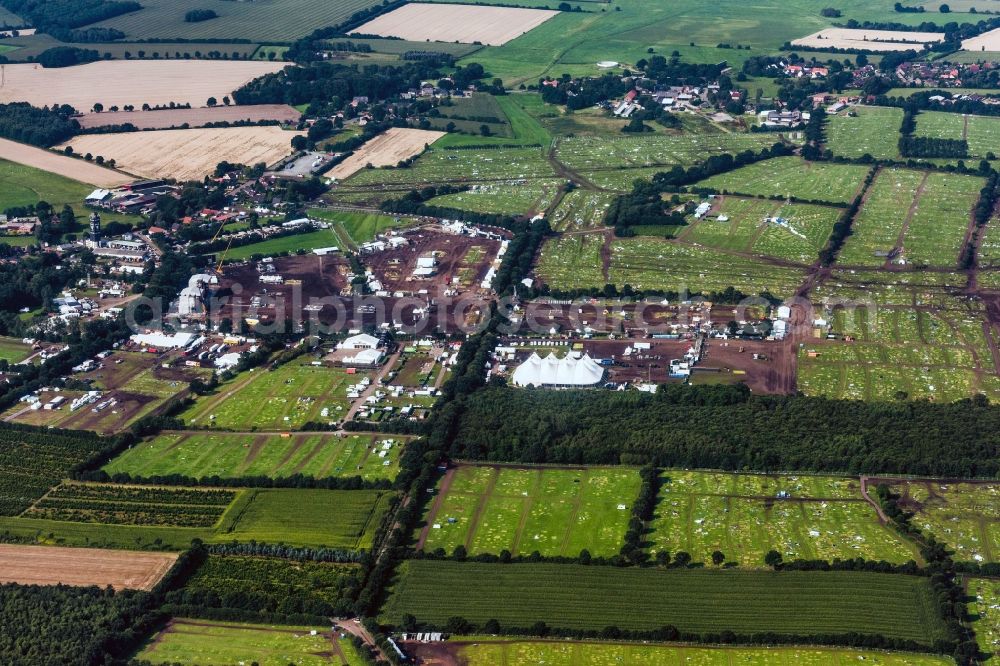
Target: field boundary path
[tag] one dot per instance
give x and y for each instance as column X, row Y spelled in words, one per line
column 917, row 196
column 878, row 507
column 355, row 628
column 432, row 513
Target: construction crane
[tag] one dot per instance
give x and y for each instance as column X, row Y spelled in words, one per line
column 218, row 269
column 222, row 225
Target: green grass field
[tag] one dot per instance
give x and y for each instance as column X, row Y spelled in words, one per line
column 653, row 263
column 937, row 351
column 575, row 262
column 283, row 399
column 568, row 262
column 586, row 153
column 574, row 42
column 965, row 516
column 291, row 244
column 919, row 216
column 205, row 643
column 13, row 350
column 438, row 165
column 360, row 227
column 870, row 130
column 581, row 209
column 792, row 232
column 267, row 21
column 740, row 515
column 226, row 455
column 982, row 132
column 696, row 600
column 487, row 651
column 23, row 185
column 792, row 177
column 984, row 606
column 308, row 518
column 513, row 198
column 553, row 511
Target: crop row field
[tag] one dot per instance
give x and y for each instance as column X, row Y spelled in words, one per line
column 964, row 516
column 981, row 132
column 792, row 232
column 552, row 511
column 32, row 461
column 511, row 198
column 272, row 581
column 226, row 455
column 596, row 152
column 744, row 516
column 865, row 130
column 488, row 651
column 912, row 217
column 295, row 517
column 132, row 505
column 793, row 178
column 570, row 596
column 286, row 398
column 211, row 643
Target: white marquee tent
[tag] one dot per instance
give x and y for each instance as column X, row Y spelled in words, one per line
column 553, row 371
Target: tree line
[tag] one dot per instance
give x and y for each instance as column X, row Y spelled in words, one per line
column 728, row 428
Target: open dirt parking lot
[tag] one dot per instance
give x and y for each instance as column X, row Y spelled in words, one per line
column 85, row 172
column 869, row 40
column 136, row 82
column 186, row 154
column 468, row 24
column 194, row 117
column 46, row 565
column 387, row 149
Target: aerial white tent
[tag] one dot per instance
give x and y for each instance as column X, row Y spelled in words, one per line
column 563, row 372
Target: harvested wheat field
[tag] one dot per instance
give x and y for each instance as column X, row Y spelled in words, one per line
column 869, row 40
column 70, row 167
column 387, row 149
column 135, row 82
column 988, row 41
column 48, row 565
column 468, row 24
column 166, row 118
column 186, row 154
